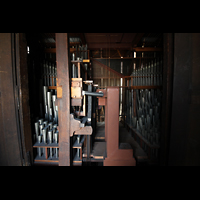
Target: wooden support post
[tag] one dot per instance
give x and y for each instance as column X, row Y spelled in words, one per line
column 62, row 58
column 79, row 70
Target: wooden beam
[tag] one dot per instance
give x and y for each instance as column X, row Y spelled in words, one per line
column 62, row 56
column 140, row 49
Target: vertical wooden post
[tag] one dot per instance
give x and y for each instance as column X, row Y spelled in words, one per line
column 79, row 70
column 112, row 120
column 62, row 58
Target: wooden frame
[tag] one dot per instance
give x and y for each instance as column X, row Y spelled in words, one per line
column 62, row 57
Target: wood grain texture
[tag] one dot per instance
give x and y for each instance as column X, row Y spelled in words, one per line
column 64, row 103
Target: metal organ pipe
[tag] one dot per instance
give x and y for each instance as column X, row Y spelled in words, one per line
column 148, row 101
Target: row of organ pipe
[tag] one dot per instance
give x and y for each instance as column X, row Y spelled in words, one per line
column 144, row 117
column 148, row 75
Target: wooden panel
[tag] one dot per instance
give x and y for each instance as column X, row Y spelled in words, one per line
column 184, row 146
column 22, row 82
column 64, row 103
column 9, row 143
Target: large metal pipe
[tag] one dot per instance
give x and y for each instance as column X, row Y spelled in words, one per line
column 45, row 90
column 95, row 94
column 44, row 134
column 36, row 130
column 50, row 136
column 54, row 107
column 49, row 103
column 39, row 149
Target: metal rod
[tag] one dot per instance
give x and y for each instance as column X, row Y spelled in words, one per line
column 54, row 107
column 49, row 103
column 36, row 130
column 96, row 94
column 50, row 136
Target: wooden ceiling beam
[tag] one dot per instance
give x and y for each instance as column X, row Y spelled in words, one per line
column 145, row 49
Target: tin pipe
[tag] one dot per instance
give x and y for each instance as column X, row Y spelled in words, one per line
column 50, row 115
column 39, row 149
column 50, row 124
column 54, row 107
column 40, row 121
column 44, row 134
column 49, row 103
column 51, row 153
column 56, row 137
column 41, row 126
column 36, row 130
column 56, row 115
column 50, row 136
column 45, row 90
column 45, row 123
column 56, row 150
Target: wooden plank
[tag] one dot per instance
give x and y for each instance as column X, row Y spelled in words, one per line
column 87, row 130
column 59, row 92
column 22, row 82
column 86, row 60
column 43, row 159
column 52, row 87
column 146, row 49
column 62, row 56
column 9, row 141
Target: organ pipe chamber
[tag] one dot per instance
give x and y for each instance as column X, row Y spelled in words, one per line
column 143, row 105
column 46, row 134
